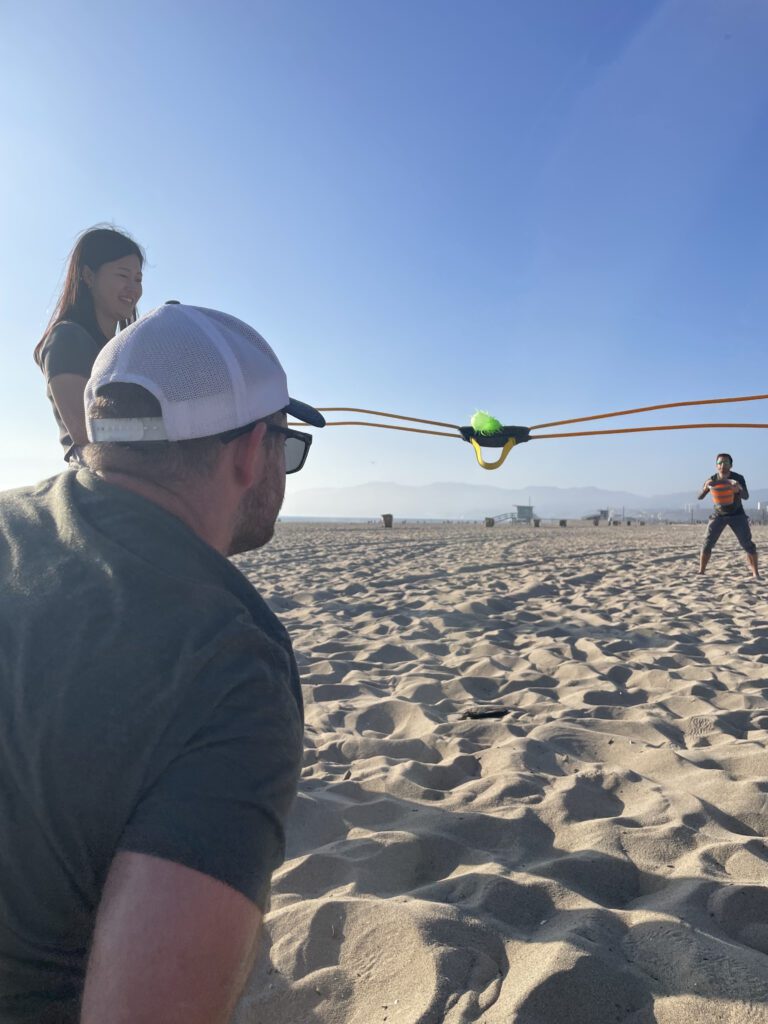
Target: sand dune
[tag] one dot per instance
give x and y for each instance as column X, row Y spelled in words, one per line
column 536, row 779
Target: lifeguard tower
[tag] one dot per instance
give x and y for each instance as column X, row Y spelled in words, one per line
column 522, row 514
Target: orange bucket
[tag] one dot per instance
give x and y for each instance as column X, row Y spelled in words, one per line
column 722, row 492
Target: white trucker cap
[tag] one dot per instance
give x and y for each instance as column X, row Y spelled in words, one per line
column 209, row 371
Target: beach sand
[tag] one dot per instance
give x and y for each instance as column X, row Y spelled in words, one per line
column 593, row 850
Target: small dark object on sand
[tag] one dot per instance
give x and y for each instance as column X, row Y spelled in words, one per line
column 485, row 711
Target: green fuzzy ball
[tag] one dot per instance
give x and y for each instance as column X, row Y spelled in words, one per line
column 484, row 423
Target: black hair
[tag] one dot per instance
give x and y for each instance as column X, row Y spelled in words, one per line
column 94, row 248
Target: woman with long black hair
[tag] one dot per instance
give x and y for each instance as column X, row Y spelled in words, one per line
column 100, row 293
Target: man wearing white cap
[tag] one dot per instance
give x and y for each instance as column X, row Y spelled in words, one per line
column 150, row 707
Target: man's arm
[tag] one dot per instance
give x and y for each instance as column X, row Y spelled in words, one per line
column 170, row 944
column 704, row 489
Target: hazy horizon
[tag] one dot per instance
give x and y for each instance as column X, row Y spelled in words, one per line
column 472, row 501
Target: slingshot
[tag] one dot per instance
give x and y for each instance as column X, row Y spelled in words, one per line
column 486, row 432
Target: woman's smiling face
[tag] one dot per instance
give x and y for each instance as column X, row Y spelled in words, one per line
column 116, row 287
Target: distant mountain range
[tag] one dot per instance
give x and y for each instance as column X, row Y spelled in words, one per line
column 475, row 501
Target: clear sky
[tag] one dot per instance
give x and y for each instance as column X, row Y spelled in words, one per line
column 544, row 209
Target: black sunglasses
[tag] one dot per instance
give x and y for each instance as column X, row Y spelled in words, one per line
column 296, row 443
column 296, row 446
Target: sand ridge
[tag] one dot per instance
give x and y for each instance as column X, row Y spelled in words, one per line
column 536, row 778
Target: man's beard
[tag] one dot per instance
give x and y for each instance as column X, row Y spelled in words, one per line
column 256, row 516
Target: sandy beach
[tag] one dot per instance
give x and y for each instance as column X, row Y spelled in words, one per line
column 536, row 778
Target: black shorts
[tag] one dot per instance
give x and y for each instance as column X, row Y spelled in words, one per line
column 739, row 523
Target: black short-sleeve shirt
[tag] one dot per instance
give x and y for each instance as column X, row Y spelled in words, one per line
column 149, row 701
column 68, row 348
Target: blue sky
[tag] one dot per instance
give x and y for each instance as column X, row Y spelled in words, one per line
column 543, row 209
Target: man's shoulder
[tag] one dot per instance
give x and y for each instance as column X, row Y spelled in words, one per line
column 27, row 503
column 261, row 639
column 738, row 477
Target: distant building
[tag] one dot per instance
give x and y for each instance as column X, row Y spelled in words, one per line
column 522, row 514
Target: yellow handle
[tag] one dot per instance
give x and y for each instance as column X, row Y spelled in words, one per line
column 500, row 461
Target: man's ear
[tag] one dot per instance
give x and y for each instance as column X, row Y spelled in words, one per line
column 248, row 455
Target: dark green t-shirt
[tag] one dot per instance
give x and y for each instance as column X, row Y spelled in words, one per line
column 69, row 348
column 149, row 701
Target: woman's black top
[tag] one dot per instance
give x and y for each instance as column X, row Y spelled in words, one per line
column 69, row 348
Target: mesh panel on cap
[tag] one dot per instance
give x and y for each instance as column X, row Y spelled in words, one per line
column 266, row 389
column 244, row 330
column 195, row 369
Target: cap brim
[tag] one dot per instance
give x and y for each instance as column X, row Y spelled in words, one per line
column 305, row 413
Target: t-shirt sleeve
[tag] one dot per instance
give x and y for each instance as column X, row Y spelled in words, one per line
column 220, row 805
column 69, row 348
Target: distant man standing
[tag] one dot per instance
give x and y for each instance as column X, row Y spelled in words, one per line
column 727, row 489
